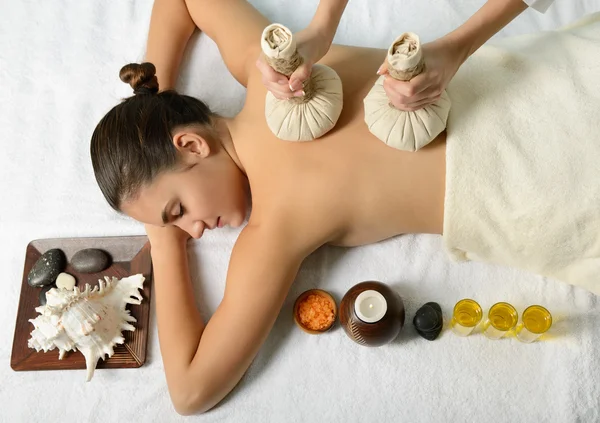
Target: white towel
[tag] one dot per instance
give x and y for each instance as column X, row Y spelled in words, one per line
column 523, row 155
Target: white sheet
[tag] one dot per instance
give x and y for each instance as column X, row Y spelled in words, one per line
column 59, row 63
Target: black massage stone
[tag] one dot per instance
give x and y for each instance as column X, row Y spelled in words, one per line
column 45, row 289
column 47, row 268
column 90, row 260
column 428, row 321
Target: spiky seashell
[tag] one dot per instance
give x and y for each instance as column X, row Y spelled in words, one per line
column 90, row 321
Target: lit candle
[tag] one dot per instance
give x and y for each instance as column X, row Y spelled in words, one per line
column 370, row 306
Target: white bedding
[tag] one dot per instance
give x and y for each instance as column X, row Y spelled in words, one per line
column 59, row 64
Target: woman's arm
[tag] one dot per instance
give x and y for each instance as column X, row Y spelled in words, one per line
column 236, row 26
column 233, row 24
column 444, row 56
column 170, row 30
column 204, row 363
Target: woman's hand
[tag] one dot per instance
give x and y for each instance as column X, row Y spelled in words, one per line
column 442, row 60
column 312, row 45
column 166, row 237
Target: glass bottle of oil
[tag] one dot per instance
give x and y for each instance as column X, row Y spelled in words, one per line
column 536, row 321
column 502, row 317
column 466, row 316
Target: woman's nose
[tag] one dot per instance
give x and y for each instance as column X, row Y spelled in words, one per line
column 197, row 229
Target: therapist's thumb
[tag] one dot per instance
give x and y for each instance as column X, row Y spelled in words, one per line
column 301, row 74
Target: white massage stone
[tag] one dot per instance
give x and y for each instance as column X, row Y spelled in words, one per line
column 65, row 281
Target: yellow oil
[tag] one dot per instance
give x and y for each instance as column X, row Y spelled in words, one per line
column 503, row 316
column 536, row 319
column 467, row 313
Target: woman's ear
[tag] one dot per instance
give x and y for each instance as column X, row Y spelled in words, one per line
column 189, row 142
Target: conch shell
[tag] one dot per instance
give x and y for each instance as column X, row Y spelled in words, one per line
column 90, row 321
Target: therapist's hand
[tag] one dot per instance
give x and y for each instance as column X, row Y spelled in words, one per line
column 312, row 45
column 442, row 60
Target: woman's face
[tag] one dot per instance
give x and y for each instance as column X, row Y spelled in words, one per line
column 209, row 192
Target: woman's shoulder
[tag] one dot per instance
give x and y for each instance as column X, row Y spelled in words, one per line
column 268, row 250
column 281, row 230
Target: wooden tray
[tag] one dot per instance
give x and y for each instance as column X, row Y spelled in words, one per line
column 131, row 255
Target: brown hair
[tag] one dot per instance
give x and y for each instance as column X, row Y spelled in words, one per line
column 132, row 144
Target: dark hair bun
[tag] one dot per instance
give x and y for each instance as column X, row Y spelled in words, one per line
column 141, row 77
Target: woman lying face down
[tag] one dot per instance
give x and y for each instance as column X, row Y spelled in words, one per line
column 164, row 159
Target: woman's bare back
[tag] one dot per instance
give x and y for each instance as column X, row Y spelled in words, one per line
column 346, row 188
